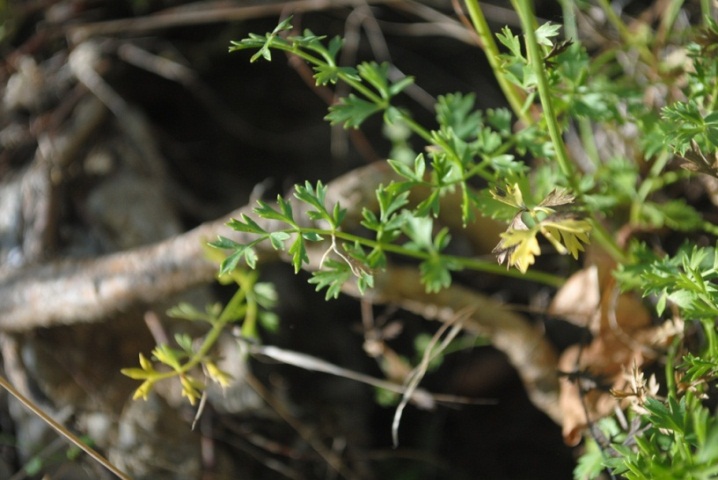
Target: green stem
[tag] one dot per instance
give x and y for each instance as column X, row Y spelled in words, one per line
column 418, row 129
column 528, row 20
column 588, row 140
column 670, row 363
column 469, row 263
column 616, row 21
column 227, row 315
column 656, row 169
column 358, row 86
column 627, row 38
column 569, row 19
column 246, row 284
column 668, row 20
column 454, row 157
column 714, row 98
column 711, row 336
column 210, row 339
column 585, row 128
column 352, row 82
column 706, row 11
column 512, row 94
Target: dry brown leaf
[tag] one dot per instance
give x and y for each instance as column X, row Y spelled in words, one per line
column 621, row 329
column 575, row 400
column 577, row 301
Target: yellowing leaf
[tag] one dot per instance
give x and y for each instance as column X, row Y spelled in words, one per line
column 221, row 377
column 145, row 363
column 571, row 233
column 513, row 196
column 520, row 246
column 525, row 253
column 136, row 373
column 190, row 388
column 143, row 390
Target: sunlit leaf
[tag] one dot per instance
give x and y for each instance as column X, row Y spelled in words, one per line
column 191, row 388
column 571, row 233
column 546, row 32
column 221, row 377
column 519, row 247
column 137, row 373
column 284, row 214
column 143, row 390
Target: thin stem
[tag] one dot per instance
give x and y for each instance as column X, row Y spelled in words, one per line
column 585, row 127
column 528, row 21
column 656, row 169
column 714, row 98
column 670, row 364
column 647, row 186
column 588, row 140
column 706, row 11
column 535, row 60
column 362, row 89
column 352, row 82
column 246, row 284
column 469, row 263
column 61, row 429
column 418, row 129
column 488, row 44
column 569, row 19
column 616, row 21
column 670, row 14
column 711, row 336
column 210, row 339
column 454, row 157
column 627, row 38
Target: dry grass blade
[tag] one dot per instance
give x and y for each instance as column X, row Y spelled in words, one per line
column 417, row 374
column 308, row 362
column 74, row 439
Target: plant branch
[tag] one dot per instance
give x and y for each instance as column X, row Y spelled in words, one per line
column 486, row 266
column 549, row 114
column 488, row 44
column 72, row 291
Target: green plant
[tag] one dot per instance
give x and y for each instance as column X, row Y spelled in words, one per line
column 525, row 174
column 250, row 305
